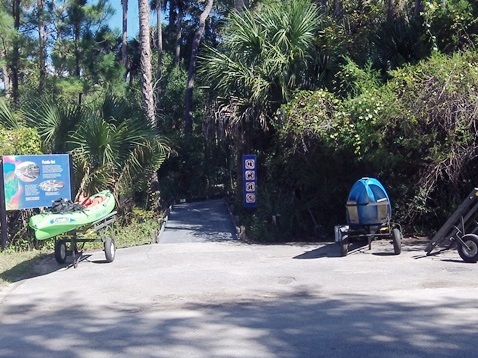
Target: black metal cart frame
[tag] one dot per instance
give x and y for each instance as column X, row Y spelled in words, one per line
column 382, row 228
column 460, row 229
column 97, row 231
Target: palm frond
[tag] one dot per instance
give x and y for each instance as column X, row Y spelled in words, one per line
column 7, row 118
column 264, row 56
column 54, row 122
column 144, row 159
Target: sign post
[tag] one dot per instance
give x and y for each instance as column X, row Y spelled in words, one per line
column 3, row 211
column 249, row 172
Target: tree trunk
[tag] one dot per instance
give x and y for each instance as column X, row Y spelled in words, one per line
column 145, row 58
column 338, row 9
column 159, row 71
column 390, row 10
column 177, row 43
column 188, row 97
column 41, row 45
column 124, row 40
column 418, row 8
column 76, row 43
column 15, row 61
column 239, row 5
column 5, row 77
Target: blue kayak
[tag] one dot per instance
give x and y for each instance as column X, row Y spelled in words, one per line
column 368, row 204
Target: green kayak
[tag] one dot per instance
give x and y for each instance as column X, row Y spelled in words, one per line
column 48, row 224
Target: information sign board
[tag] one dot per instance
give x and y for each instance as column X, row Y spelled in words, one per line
column 34, row 181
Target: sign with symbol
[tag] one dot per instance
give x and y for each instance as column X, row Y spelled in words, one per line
column 250, row 187
column 250, row 163
column 250, row 175
column 250, row 198
column 249, row 167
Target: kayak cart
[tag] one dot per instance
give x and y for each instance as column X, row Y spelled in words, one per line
column 72, row 242
column 72, row 223
column 368, row 213
column 460, row 230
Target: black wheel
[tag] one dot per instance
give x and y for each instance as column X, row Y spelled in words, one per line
column 344, row 245
column 469, row 253
column 110, row 249
column 60, row 251
column 397, row 241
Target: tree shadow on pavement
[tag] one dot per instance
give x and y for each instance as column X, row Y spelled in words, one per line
column 327, row 250
column 289, row 325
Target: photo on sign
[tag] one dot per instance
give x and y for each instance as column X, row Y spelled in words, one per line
column 27, row 171
column 51, row 185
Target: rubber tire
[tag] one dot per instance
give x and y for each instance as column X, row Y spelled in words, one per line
column 344, row 245
column 60, row 251
column 471, row 256
column 397, row 241
column 110, row 249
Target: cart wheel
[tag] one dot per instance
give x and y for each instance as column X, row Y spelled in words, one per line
column 397, row 241
column 110, row 249
column 344, row 245
column 469, row 253
column 60, row 251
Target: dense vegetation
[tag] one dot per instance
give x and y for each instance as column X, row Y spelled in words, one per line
column 323, row 91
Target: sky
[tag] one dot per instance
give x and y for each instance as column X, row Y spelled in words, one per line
column 116, row 21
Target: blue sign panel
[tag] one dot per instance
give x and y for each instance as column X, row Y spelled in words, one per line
column 249, row 179
column 33, row 181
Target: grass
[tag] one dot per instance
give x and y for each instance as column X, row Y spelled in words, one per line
column 15, row 266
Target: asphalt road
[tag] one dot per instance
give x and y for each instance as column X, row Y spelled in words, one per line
column 225, row 298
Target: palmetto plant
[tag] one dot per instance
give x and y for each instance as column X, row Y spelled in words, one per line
column 54, row 122
column 264, row 55
column 112, row 143
column 7, row 117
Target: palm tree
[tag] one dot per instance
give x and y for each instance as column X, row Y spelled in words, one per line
column 188, row 96
column 112, row 143
column 157, row 5
column 263, row 58
column 54, row 122
column 124, row 39
column 7, row 117
column 117, row 154
column 15, row 55
column 42, row 44
column 146, row 71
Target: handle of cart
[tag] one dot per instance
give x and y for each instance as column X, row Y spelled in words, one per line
column 460, row 229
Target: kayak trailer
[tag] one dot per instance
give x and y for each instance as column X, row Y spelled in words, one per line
column 368, row 213
column 69, row 243
column 460, row 230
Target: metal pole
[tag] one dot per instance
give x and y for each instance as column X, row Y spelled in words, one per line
column 3, row 211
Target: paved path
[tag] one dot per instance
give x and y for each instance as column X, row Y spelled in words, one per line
column 205, row 221
column 229, row 299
